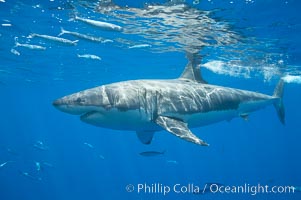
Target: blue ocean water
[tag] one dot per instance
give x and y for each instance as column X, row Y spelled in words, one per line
column 245, row 44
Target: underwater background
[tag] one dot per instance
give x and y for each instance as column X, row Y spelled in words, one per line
column 245, row 44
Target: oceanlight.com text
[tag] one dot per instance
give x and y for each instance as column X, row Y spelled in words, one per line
column 213, row 188
column 249, row 189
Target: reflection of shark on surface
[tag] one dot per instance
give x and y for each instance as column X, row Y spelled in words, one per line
column 175, row 105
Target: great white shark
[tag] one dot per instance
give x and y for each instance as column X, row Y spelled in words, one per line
column 174, row 105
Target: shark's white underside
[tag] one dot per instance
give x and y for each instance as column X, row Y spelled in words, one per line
column 138, row 120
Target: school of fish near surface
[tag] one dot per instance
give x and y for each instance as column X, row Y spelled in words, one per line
column 59, row 40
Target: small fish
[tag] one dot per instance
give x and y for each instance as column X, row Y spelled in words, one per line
column 89, row 145
column 100, row 24
column 196, row 2
column 26, row 174
column 54, row 39
column 14, row 51
column 139, row 46
column 30, row 46
column 7, row 25
column 5, row 71
column 101, row 157
column 48, row 164
column 3, row 164
column 172, row 161
column 84, row 36
column 38, row 166
column 40, row 145
column 107, row 40
column 89, row 56
column 151, row 153
column 11, row 151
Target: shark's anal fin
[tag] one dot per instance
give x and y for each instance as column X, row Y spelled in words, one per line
column 179, row 128
column 145, row 136
column 192, row 70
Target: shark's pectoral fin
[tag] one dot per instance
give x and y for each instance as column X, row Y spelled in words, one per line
column 145, row 136
column 179, row 128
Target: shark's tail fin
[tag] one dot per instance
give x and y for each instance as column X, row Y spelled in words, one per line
column 279, row 106
column 63, row 31
column 17, row 44
column 73, row 17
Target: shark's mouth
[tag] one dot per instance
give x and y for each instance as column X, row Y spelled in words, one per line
column 94, row 117
column 88, row 115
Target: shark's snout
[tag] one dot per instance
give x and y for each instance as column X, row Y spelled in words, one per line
column 74, row 104
column 57, row 102
column 61, row 105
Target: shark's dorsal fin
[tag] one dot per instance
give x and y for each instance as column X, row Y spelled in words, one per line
column 192, row 70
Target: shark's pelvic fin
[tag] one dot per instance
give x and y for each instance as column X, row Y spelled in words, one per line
column 192, row 70
column 245, row 116
column 279, row 106
column 145, row 136
column 179, row 128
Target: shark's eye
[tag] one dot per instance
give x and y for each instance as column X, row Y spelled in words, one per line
column 79, row 100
